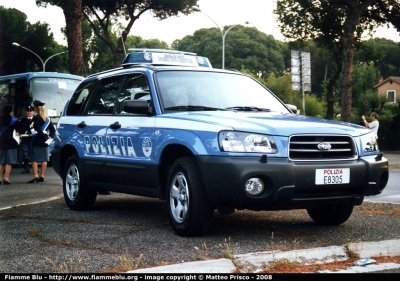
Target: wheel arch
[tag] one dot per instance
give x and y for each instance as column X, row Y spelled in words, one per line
column 169, row 155
column 66, row 152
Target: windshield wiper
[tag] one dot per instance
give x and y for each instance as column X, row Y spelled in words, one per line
column 249, row 108
column 193, row 108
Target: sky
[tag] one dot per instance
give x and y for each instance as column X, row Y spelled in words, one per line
column 222, row 12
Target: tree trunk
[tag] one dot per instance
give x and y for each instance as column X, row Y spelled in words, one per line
column 73, row 18
column 347, row 71
column 349, row 28
column 330, row 97
column 355, row 10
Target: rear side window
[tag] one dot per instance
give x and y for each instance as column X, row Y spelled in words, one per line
column 79, row 97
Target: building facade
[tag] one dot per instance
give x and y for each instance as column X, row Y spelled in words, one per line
column 390, row 88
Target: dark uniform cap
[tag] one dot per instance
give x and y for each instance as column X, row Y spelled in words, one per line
column 37, row 103
column 29, row 108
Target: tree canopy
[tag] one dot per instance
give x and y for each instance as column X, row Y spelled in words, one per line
column 102, row 13
column 340, row 22
column 35, row 37
column 245, row 48
column 97, row 55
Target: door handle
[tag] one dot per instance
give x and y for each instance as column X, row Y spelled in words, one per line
column 81, row 125
column 116, row 125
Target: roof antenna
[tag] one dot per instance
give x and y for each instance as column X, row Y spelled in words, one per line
column 123, row 44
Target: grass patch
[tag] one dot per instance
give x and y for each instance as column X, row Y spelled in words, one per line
column 227, row 253
column 226, row 247
column 71, row 266
column 379, row 209
column 202, row 251
column 351, row 254
column 128, row 262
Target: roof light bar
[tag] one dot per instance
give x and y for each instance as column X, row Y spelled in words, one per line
column 165, row 57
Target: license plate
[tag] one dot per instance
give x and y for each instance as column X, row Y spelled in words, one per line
column 332, row 176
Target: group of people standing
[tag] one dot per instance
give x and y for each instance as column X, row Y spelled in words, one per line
column 32, row 135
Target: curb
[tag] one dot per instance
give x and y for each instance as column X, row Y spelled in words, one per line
column 257, row 262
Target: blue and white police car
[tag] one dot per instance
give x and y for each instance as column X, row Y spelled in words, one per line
column 167, row 125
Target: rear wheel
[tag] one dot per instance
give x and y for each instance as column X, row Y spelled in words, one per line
column 331, row 215
column 77, row 195
column 190, row 210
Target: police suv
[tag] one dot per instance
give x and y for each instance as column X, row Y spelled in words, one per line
column 167, row 125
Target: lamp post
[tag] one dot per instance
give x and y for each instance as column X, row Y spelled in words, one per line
column 43, row 63
column 223, row 34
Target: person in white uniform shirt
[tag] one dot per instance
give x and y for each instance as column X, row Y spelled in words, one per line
column 374, row 124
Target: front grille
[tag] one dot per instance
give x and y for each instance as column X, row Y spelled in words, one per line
column 305, row 148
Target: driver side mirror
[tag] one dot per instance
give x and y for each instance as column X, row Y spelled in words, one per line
column 136, row 107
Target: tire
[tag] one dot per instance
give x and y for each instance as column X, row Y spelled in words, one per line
column 190, row 211
column 331, row 215
column 77, row 195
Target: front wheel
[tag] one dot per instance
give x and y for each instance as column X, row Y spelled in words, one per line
column 77, row 194
column 331, row 215
column 190, row 210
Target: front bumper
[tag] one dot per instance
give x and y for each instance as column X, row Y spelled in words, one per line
column 288, row 185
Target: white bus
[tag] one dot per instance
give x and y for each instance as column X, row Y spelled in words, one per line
column 53, row 88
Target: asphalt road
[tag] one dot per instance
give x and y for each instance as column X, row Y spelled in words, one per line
column 125, row 232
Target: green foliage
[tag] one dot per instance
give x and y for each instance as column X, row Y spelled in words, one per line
column 365, row 102
column 35, row 37
column 389, row 128
column 97, row 54
column 245, row 48
column 336, row 23
column 272, row 84
column 139, row 42
column 102, row 14
column 383, row 53
column 370, row 102
column 388, row 117
column 314, row 107
column 282, row 87
column 205, row 42
column 365, row 77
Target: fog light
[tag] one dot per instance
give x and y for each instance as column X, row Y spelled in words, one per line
column 254, row 186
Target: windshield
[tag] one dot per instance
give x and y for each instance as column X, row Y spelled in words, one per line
column 196, row 90
column 53, row 91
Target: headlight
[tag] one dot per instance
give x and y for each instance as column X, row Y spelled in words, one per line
column 232, row 141
column 369, row 143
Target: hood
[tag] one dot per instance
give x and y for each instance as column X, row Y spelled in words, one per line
column 272, row 123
